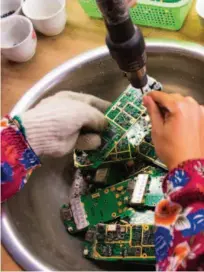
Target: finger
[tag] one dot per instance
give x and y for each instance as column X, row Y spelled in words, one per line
column 191, row 100
column 202, row 117
column 69, row 94
column 177, row 97
column 153, row 111
column 92, row 119
column 88, row 141
column 165, row 100
column 99, row 103
column 94, row 101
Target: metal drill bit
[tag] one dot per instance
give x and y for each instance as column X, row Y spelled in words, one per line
column 142, row 90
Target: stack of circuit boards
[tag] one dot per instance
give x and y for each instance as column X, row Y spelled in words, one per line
column 116, row 187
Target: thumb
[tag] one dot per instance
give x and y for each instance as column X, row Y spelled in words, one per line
column 89, row 141
column 93, row 120
column 153, row 111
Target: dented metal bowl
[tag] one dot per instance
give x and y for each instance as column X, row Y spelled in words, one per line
column 31, row 227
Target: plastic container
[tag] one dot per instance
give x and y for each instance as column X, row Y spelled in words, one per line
column 49, row 19
column 168, row 14
column 200, row 10
column 10, row 7
column 18, row 38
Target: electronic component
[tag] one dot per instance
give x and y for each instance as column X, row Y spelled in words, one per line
column 74, row 216
column 142, row 217
column 136, row 165
column 65, row 213
column 79, row 186
column 139, row 130
column 101, row 175
column 148, row 187
column 126, row 117
column 101, row 206
column 81, row 160
column 139, row 190
column 98, row 176
column 127, row 242
column 154, row 192
column 106, row 175
column 90, row 235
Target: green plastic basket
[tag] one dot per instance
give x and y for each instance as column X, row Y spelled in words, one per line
column 168, row 14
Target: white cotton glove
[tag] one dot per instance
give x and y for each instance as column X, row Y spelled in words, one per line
column 53, row 126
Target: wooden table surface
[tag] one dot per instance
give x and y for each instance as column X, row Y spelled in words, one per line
column 81, row 34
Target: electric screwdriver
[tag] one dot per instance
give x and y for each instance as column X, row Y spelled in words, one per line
column 125, row 41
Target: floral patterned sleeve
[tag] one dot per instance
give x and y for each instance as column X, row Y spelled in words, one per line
column 18, row 160
column 179, row 237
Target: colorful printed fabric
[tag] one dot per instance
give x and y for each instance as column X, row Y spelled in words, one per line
column 18, row 160
column 179, row 238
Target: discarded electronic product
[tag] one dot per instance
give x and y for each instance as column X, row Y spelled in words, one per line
column 113, row 242
column 126, row 113
column 102, row 206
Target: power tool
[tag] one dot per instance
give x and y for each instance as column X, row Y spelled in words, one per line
column 125, row 41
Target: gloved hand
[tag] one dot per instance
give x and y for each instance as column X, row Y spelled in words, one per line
column 53, row 126
column 179, row 134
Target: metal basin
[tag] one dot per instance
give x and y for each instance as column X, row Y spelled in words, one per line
column 31, row 228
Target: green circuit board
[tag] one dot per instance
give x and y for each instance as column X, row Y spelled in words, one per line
column 104, row 205
column 140, row 217
column 109, row 174
column 126, row 111
column 128, row 124
column 154, row 192
column 121, row 116
column 101, row 206
column 126, row 242
column 123, row 151
column 147, row 150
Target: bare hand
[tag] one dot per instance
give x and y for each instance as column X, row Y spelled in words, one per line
column 178, row 134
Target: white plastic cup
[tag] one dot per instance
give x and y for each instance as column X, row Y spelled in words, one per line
column 10, row 7
column 200, row 10
column 47, row 16
column 18, row 38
